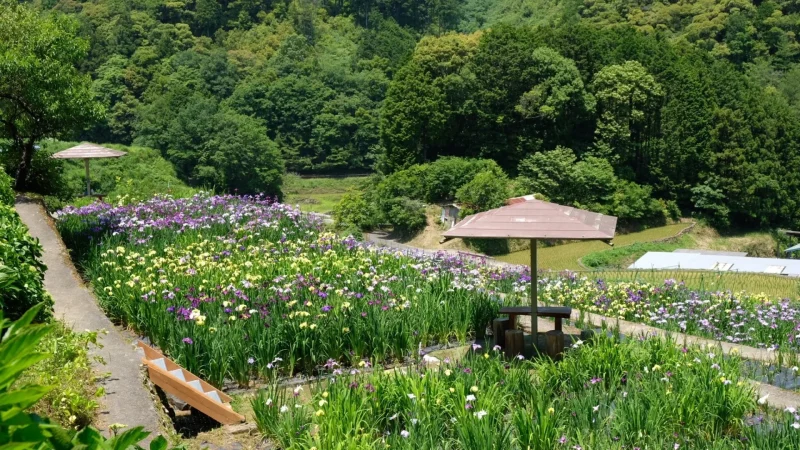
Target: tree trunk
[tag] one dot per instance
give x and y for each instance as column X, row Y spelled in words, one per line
column 25, row 165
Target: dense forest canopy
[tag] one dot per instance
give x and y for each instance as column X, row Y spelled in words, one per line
column 690, row 101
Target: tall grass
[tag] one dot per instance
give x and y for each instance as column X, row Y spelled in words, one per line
column 606, row 394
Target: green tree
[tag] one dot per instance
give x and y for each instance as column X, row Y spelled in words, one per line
column 550, row 174
column 428, row 105
column 558, row 95
column 41, row 92
column 487, row 190
column 628, row 102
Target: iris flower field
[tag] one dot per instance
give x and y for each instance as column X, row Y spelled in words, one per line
column 239, row 288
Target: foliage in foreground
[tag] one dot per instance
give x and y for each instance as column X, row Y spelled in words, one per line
column 20, row 429
column 21, row 269
column 6, row 193
column 605, row 394
column 71, row 401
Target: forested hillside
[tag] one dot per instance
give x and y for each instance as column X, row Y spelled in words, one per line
column 695, row 102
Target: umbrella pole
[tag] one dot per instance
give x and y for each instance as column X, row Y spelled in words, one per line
column 86, row 164
column 534, row 295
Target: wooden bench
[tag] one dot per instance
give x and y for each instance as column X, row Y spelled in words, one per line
column 512, row 341
column 557, row 312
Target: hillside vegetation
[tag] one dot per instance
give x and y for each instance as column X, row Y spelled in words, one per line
column 631, row 108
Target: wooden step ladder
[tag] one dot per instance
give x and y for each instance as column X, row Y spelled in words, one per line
column 185, row 385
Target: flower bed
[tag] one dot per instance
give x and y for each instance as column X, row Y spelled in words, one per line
column 740, row 318
column 228, row 284
column 604, row 395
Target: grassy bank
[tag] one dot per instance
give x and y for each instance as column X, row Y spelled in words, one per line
column 565, row 257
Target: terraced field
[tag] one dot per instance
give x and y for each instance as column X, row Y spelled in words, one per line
column 565, row 257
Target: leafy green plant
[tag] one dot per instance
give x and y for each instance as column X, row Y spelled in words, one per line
column 405, row 215
column 488, row 189
column 21, row 268
column 354, row 210
column 72, row 399
column 20, row 429
column 6, row 193
column 621, row 257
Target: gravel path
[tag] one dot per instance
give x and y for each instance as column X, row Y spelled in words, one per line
column 127, row 400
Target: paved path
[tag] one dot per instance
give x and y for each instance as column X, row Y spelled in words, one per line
column 127, row 400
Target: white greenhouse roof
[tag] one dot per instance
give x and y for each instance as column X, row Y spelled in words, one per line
column 726, row 263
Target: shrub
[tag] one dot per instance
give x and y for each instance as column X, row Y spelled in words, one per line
column 6, row 192
column 671, row 209
column 71, row 401
column 488, row 189
column 47, row 175
column 406, row 216
column 21, row 269
column 632, row 202
column 445, row 176
column 353, row 210
column 622, row 257
column 409, row 183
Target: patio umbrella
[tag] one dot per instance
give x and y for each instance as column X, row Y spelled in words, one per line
column 87, row 151
column 529, row 218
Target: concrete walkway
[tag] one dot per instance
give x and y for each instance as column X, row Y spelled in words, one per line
column 127, row 400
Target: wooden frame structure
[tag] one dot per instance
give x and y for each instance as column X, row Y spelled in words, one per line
column 176, row 380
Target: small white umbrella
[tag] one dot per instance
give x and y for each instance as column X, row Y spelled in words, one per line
column 87, row 151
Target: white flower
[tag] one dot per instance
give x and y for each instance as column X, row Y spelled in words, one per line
column 470, row 398
column 284, row 408
column 405, row 434
column 412, row 396
column 393, row 417
column 796, row 426
column 795, row 369
column 480, row 414
column 763, row 400
column 595, row 408
column 414, row 421
column 269, row 401
column 297, row 390
column 520, row 357
column 453, row 420
column 791, row 410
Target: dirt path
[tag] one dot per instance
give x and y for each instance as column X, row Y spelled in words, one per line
column 127, row 400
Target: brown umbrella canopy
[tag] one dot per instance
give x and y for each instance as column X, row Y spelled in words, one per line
column 529, row 218
column 87, row 151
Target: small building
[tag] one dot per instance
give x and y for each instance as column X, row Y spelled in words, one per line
column 718, row 262
column 449, row 215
